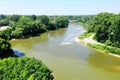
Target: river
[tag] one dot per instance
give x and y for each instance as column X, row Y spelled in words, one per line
column 68, row 59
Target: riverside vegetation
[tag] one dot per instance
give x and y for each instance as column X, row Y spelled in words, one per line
column 106, row 27
column 24, row 69
column 20, row 68
column 22, row 27
column 27, row 26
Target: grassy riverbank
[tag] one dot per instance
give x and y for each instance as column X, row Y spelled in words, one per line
column 87, row 40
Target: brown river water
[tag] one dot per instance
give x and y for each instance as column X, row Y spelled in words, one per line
column 68, row 59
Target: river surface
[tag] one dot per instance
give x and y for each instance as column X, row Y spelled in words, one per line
column 68, row 59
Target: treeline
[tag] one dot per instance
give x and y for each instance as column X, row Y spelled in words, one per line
column 24, row 69
column 30, row 25
column 81, row 19
column 106, row 27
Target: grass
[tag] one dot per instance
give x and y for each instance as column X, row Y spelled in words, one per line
column 85, row 35
column 102, row 47
column 105, row 48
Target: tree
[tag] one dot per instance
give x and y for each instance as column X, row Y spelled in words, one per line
column 44, row 19
column 5, row 49
column 33, row 17
column 18, row 33
column 6, row 34
column 4, row 22
column 106, row 27
column 14, row 18
column 61, row 22
column 24, row 69
column 2, row 16
column 26, row 26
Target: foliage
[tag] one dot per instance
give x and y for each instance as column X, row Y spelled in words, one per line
column 85, row 35
column 14, row 18
column 24, row 69
column 4, row 22
column 6, row 34
column 61, row 22
column 17, row 33
column 82, row 19
column 2, row 16
column 106, row 27
column 105, row 48
column 85, row 19
column 26, row 26
column 5, row 49
column 52, row 26
column 44, row 19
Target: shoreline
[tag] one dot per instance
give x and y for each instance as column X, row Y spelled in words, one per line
column 84, row 42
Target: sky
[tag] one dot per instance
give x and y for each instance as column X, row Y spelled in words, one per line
column 58, row 7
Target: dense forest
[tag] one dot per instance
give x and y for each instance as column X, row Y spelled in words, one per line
column 106, row 27
column 30, row 25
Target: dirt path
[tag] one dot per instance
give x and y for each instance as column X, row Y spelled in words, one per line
column 91, row 40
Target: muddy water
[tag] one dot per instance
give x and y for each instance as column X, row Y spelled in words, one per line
column 69, row 60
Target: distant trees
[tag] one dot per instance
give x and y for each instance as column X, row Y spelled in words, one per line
column 107, row 28
column 33, row 17
column 81, row 19
column 26, row 26
column 61, row 22
column 2, row 16
column 44, row 19
column 4, row 22
column 84, row 19
column 14, row 18
column 24, row 69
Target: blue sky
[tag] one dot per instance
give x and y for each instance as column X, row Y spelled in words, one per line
column 59, row 7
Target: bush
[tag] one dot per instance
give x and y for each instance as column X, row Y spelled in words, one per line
column 23, row 69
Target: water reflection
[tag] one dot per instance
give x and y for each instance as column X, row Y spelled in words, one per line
column 18, row 53
column 57, row 33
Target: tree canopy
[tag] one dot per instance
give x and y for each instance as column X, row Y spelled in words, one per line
column 106, row 27
column 5, row 49
column 24, row 69
column 22, row 26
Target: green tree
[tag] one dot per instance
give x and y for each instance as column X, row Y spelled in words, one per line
column 5, row 49
column 18, row 33
column 44, row 19
column 24, row 69
column 2, row 16
column 61, row 22
column 107, row 28
column 6, row 34
column 4, row 22
column 14, row 18
column 33, row 17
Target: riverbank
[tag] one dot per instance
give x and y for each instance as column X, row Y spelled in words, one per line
column 92, row 44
